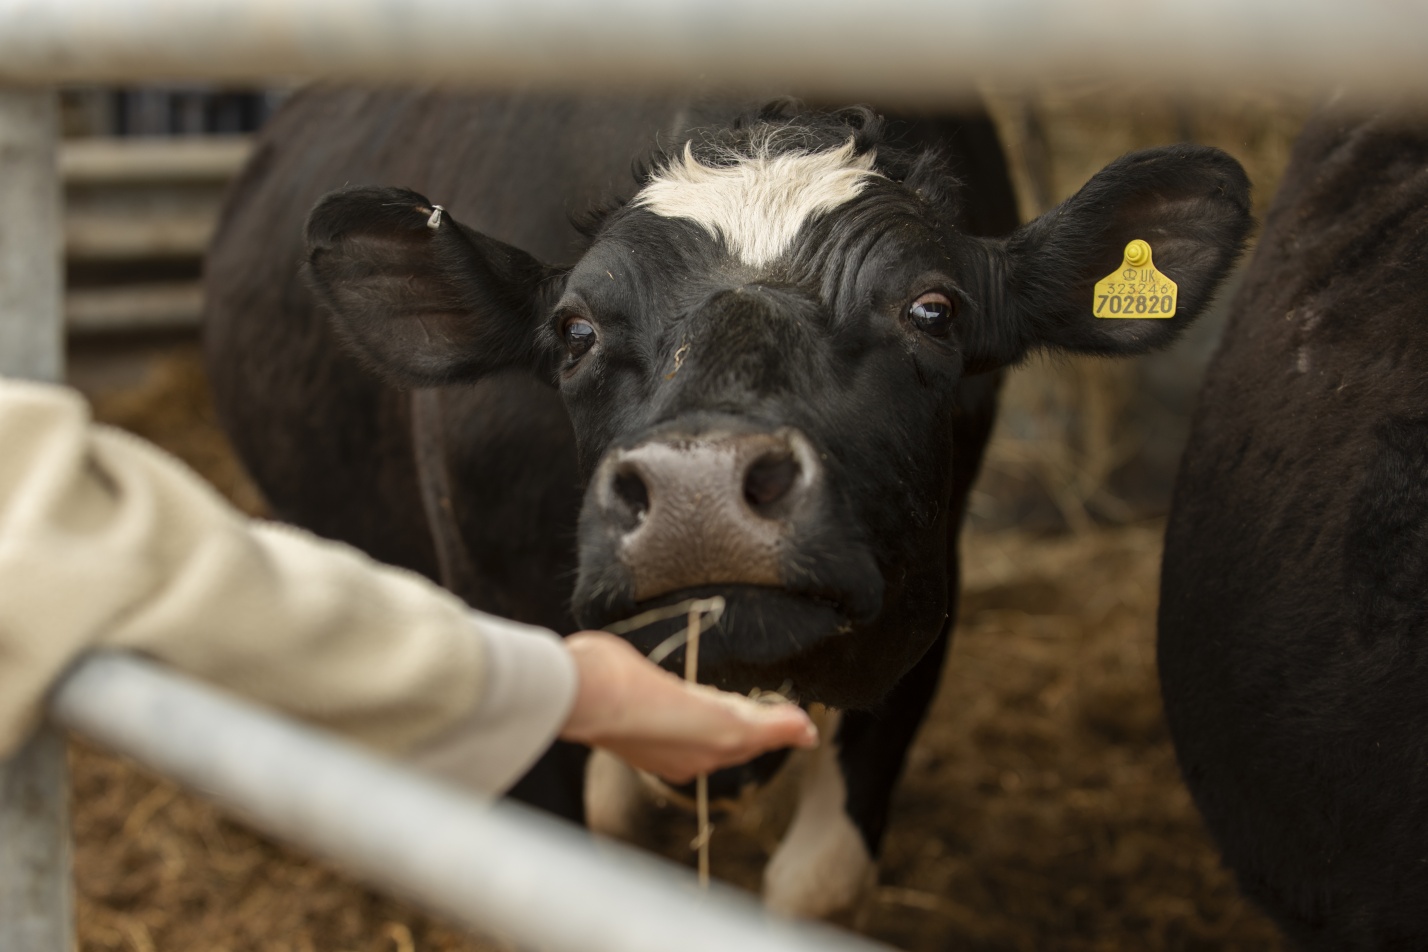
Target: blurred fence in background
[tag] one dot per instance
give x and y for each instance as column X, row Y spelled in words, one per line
column 144, row 170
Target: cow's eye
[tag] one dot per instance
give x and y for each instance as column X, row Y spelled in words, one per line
column 579, row 336
column 932, row 313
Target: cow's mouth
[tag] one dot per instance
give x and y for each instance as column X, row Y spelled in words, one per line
column 762, row 639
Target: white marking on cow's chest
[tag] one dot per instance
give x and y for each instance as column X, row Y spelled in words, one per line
column 822, row 867
column 758, row 203
column 614, row 797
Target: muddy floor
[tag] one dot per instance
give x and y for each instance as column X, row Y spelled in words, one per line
column 1042, row 809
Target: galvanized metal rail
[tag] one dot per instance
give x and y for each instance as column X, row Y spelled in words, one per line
column 35, row 882
column 496, row 867
column 916, row 48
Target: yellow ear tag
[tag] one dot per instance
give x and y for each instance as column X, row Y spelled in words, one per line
column 1137, row 289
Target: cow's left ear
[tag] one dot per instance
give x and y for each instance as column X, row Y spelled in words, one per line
column 1190, row 204
column 417, row 295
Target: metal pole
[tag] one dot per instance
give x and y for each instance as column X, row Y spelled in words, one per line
column 495, row 867
column 914, row 48
column 36, row 895
column 36, row 891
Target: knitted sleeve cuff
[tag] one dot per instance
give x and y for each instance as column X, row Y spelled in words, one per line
column 530, row 684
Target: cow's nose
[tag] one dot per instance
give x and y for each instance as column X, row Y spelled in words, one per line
column 708, row 510
column 769, row 480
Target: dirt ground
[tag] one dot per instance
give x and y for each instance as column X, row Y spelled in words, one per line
column 1042, row 809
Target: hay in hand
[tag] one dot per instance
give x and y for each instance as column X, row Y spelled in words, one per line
column 703, row 613
column 701, row 783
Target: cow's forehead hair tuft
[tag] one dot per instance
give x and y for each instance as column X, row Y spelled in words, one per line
column 758, row 200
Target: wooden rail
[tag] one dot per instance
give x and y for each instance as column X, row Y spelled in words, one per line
column 133, row 204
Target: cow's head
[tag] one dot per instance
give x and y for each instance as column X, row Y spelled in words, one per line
column 760, row 355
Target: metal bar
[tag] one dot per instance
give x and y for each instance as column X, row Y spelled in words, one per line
column 495, row 867
column 36, row 890
column 909, row 47
column 36, row 901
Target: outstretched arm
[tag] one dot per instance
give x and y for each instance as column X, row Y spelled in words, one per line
column 107, row 541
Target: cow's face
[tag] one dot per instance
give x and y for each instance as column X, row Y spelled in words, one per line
column 760, row 355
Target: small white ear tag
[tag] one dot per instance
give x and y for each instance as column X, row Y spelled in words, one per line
column 1137, row 289
column 434, row 222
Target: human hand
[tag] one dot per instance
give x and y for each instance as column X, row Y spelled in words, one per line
column 654, row 721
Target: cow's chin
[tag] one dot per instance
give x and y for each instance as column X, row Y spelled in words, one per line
column 769, row 639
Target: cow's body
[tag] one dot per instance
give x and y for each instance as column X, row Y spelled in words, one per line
column 736, row 313
column 1294, row 604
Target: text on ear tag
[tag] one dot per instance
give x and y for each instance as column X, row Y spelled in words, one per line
column 1136, row 289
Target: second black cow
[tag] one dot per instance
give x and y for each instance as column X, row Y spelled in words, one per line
column 1294, row 595
column 763, row 368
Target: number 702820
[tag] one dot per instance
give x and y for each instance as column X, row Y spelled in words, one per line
column 1135, row 305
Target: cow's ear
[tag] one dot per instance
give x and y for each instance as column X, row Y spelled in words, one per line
column 417, row 295
column 1190, row 204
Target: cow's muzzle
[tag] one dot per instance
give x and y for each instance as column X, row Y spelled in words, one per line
column 718, row 509
column 745, row 514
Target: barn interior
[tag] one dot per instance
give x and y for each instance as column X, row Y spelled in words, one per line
column 1042, row 807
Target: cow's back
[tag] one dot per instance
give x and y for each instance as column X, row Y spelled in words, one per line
column 1294, row 603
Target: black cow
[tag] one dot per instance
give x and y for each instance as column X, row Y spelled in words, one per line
column 1294, row 596
column 769, row 373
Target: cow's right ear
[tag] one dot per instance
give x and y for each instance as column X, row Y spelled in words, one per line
column 417, row 295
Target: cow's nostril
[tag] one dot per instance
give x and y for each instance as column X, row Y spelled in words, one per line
column 631, row 490
column 769, row 480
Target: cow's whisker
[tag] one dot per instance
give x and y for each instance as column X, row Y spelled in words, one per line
column 703, row 613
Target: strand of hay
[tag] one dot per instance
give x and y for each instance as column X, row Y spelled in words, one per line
column 711, row 610
column 703, row 614
column 701, row 783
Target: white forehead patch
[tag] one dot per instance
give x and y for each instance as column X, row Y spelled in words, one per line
column 758, row 203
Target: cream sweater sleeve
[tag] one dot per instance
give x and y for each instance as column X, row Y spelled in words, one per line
column 105, row 540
